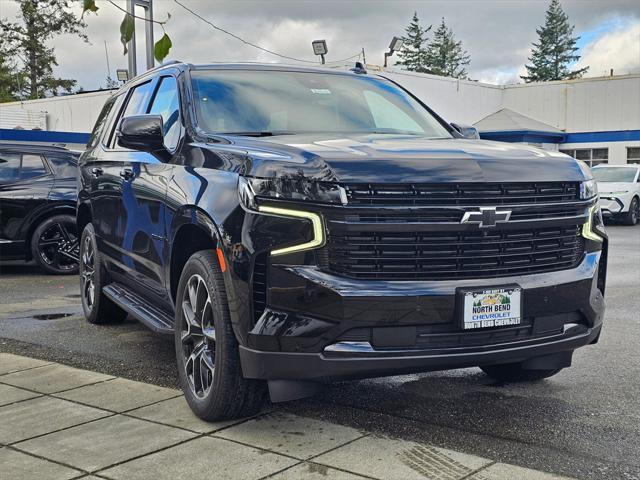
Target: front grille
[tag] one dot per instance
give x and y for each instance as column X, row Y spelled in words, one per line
column 461, row 194
column 442, row 255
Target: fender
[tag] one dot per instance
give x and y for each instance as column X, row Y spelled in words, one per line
column 193, row 215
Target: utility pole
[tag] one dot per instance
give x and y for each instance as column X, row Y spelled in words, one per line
column 148, row 30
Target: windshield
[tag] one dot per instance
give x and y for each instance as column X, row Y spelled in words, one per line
column 608, row 174
column 280, row 102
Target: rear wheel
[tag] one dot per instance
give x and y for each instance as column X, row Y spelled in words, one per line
column 632, row 216
column 513, row 372
column 206, row 348
column 95, row 304
column 54, row 245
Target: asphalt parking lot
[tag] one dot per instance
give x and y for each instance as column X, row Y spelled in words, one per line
column 584, row 423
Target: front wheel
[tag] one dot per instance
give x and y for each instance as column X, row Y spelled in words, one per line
column 513, row 372
column 206, row 348
column 632, row 216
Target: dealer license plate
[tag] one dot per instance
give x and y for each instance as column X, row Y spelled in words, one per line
column 497, row 307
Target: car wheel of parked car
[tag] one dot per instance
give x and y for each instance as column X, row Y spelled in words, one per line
column 206, row 348
column 631, row 217
column 54, row 245
column 97, row 307
column 513, row 372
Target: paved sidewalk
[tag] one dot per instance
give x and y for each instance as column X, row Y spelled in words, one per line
column 58, row 422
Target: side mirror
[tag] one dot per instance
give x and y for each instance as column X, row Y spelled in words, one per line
column 141, row 132
column 467, row 131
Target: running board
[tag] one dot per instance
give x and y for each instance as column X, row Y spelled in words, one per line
column 154, row 318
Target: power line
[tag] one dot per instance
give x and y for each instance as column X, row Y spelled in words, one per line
column 271, row 52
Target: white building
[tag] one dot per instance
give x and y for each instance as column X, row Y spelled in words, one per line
column 594, row 119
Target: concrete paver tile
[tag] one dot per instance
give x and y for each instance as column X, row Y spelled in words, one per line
column 299, row 437
column 53, row 378
column 12, row 363
column 20, row 466
column 502, row 471
column 176, row 413
column 203, row 457
column 391, row 459
column 104, row 442
column 41, row 415
column 9, row 394
column 313, row 471
column 119, row 395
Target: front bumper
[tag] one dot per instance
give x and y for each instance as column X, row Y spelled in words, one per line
column 614, row 204
column 321, row 326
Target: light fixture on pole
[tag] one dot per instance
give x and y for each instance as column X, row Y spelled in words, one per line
column 394, row 46
column 320, row 48
column 122, row 74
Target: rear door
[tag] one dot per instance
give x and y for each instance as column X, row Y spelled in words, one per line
column 25, row 182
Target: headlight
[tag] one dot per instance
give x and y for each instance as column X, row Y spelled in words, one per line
column 588, row 189
column 593, row 228
column 248, row 199
column 295, row 188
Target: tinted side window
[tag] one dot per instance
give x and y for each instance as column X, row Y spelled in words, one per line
column 9, row 167
column 100, row 123
column 32, row 166
column 166, row 103
column 64, row 168
column 139, row 99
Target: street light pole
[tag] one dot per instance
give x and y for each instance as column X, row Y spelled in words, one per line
column 148, row 30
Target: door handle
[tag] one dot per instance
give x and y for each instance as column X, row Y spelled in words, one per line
column 127, row 173
column 97, row 171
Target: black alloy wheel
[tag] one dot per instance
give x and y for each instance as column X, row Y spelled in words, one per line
column 198, row 336
column 55, row 245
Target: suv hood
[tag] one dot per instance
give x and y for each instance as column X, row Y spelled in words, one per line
column 399, row 159
column 608, row 187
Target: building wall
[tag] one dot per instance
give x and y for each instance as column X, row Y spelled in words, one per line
column 70, row 113
column 584, row 105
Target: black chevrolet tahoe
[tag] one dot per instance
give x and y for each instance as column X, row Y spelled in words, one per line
column 291, row 226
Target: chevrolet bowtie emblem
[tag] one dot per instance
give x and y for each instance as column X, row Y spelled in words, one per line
column 486, row 217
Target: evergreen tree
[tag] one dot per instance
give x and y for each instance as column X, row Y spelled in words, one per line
column 413, row 52
column 10, row 77
column 27, row 40
column 445, row 56
column 556, row 49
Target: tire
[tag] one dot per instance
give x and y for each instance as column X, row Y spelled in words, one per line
column 632, row 216
column 206, row 348
column 98, row 309
column 513, row 373
column 54, row 245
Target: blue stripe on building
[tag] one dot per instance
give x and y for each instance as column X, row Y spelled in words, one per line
column 535, row 136
column 43, row 136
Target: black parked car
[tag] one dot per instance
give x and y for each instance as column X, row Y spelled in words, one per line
column 38, row 205
column 291, row 226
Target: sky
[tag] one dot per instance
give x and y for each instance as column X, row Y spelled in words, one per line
column 496, row 33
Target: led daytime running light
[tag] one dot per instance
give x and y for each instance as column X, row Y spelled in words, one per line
column 316, row 221
column 587, row 227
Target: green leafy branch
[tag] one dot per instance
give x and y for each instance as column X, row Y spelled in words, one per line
column 127, row 27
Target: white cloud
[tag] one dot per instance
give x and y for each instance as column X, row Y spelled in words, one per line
column 618, row 50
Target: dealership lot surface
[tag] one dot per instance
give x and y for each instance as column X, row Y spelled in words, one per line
column 583, row 423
